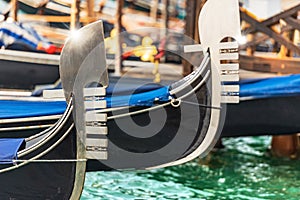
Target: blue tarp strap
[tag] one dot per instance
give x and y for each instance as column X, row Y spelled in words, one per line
column 9, row 149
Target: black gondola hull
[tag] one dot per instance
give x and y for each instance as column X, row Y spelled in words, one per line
column 42, row 179
column 24, row 75
column 267, row 116
column 147, row 147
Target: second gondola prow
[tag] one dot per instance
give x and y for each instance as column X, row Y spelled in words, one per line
column 167, row 126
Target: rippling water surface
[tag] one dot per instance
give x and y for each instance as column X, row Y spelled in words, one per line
column 242, row 170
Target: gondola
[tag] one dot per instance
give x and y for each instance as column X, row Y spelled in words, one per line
column 31, row 68
column 52, row 164
column 24, row 116
column 33, row 65
column 282, row 92
column 47, row 7
column 27, row 59
column 268, row 106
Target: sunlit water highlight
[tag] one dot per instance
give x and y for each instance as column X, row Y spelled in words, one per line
column 242, row 170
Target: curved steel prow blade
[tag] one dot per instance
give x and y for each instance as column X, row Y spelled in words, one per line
column 82, row 65
column 218, row 20
column 78, row 47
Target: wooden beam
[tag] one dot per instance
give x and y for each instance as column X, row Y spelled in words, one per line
column 75, row 11
column 193, row 8
column 270, row 64
column 274, row 19
column 53, row 18
column 14, row 9
column 258, row 39
column 285, row 146
column 118, row 27
column 262, row 28
column 153, row 9
column 293, row 22
column 90, row 8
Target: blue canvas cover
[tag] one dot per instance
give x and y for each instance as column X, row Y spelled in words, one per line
column 262, row 88
column 140, row 99
column 112, row 90
column 271, row 87
column 18, row 109
column 129, row 88
column 9, row 149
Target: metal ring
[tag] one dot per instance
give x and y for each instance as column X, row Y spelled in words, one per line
column 175, row 103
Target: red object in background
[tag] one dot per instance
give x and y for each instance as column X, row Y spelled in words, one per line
column 51, row 49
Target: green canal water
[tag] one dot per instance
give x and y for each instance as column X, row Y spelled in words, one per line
column 242, row 170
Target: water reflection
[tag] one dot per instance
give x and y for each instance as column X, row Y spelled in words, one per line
column 242, row 170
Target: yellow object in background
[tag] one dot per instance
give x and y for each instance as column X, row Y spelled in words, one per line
column 146, row 51
column 111, row 42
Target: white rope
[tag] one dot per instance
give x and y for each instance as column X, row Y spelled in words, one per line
column 106, row 110
column 202, row 105
column 49, row 134
column 197, row 87
column 30, row 119
column 138, row 112
column 47, row 161
column 165, row 104
column 22, row 128
column 39, row 155
column 198, row 72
